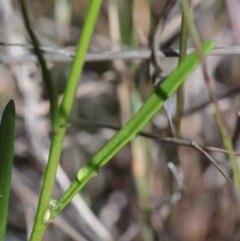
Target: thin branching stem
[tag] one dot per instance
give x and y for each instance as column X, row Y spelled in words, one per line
column 45, row 205
column 134, row 125
column 180, row 94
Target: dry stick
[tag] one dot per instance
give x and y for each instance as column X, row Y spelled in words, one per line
column 174, row 141
column 176, row 196
column 198, row 148
column 61, row 55
column 180, row 91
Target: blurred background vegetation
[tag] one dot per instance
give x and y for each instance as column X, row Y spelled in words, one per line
column 134, row 197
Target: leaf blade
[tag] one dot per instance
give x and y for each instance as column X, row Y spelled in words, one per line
column 135, row 124
column 151, row 106
column 6, row 161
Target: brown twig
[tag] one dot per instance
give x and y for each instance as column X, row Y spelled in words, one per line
column 61, row 55
column 180, row 91
column 170, row 140
column 198, row 148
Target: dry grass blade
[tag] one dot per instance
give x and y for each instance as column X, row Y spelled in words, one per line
column 62, row 55
column 221, row 126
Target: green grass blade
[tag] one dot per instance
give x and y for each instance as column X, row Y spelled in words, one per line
column 151, row 106
column 6, row 160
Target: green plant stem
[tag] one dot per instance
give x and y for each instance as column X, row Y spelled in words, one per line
column 42, row 218
column 135, row 124
column 223, row 131
column 47, row 78
column 180, row 93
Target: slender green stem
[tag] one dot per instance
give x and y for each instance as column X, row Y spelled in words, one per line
column 44, row 206
column 180, row 93
column 78, row 62
column 135, row 124
column 47, row 78
column 224, row 133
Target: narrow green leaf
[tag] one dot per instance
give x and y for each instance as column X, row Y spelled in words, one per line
column 135, row 124
column 6, row 160
column 151, row 106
